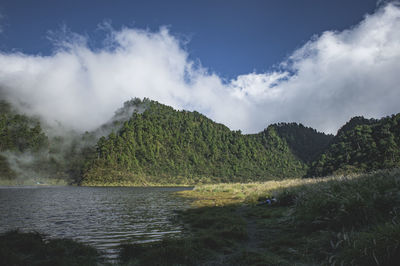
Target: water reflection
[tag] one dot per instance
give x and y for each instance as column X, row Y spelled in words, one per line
column 102, row 217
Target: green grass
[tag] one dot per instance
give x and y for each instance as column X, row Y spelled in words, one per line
column 344, row 220
column 379, row 245
column 18, row 248
column 103, row 177
column 167, row 252
column 349, row 203
column 209, row 233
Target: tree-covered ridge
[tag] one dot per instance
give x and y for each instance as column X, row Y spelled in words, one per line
column 356, row 121
column 150, row 143
column 185, row 147
column 362, row 145
column 19, row 132
column 305, row 142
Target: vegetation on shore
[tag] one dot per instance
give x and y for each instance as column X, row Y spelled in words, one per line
column 351, row 220
column 339, row 220
column 17, row 248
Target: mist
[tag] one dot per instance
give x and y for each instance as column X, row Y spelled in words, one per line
column 33, row 152
column 333, row 77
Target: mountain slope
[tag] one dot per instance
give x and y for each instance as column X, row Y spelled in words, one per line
column 164, row 145
column 150, row 143
column 19, row 132
column 361, row 145
column 305, row 142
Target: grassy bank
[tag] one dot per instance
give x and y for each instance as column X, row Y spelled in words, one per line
column 18, row 248
column 349, row 220
column 121, row 178
column 134, row 184
column 352, row 220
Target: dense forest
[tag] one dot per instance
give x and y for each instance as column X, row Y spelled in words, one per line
column 148, row 143
column 305, row 142
column 361, row 145
column 161, row 144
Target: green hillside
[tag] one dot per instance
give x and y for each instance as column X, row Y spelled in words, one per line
column 18, row 134
column 162, row 145
column 305, row 142
column 361, row 145
column 148, row 143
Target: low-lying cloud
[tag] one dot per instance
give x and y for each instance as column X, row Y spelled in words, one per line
column 331, row 78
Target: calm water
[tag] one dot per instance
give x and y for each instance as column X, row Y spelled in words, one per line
column 101, row 217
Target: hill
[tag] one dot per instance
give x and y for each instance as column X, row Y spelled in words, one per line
column 305, row 142
column 148, row 143
column 361, row 145
column 161, row 145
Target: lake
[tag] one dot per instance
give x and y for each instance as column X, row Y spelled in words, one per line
column 103, row 217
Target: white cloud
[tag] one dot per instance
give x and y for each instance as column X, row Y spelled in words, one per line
column 342, row 74
column 330, row 79
column 258, row 86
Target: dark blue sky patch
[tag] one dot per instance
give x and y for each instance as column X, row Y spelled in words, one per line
column 228, row 37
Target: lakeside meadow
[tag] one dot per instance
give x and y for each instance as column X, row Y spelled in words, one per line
column 338, row 220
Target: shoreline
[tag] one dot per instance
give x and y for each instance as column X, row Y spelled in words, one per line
column 335, row 220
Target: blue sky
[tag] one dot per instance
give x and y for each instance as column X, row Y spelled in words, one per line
column 246, row 64
column 229, row 37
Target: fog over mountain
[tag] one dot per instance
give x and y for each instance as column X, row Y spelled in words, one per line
column 334, row 76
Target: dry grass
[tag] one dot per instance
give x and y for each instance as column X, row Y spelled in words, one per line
column 250, row 193
column 352, row 220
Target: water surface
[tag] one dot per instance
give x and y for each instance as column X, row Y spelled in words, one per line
column 103, row 217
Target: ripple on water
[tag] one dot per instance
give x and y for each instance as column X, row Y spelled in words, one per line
column 102, row 217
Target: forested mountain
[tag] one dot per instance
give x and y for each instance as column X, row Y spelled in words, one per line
column 19, row 132
column 355, row 121
column 164, row 145
column 361, row 145
column 305, row 142
column 150, row 143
